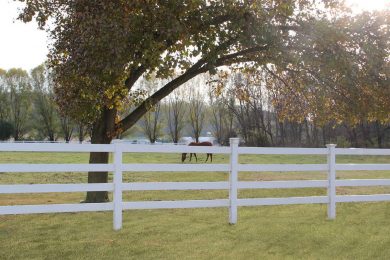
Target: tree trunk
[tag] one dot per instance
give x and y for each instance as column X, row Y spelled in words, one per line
column 81, row 133
column 102, row 133
column 380, row 133
column 51, row 137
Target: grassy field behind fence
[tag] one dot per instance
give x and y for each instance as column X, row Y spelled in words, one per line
column 360, row 231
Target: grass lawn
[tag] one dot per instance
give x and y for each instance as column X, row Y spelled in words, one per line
column 360, row 231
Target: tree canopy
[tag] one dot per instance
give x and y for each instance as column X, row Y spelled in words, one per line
column 100, row 49
column 340, row 72
column 322, row 61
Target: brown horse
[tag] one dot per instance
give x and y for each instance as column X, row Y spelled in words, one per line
column 184, row 155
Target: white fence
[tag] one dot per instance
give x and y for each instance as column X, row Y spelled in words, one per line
column 233, row 185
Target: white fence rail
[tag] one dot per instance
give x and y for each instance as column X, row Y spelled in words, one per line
column 232, row 185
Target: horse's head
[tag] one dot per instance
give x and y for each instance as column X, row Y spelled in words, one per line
column 183, row 157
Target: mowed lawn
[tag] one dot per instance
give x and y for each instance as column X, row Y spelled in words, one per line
column 360, row 231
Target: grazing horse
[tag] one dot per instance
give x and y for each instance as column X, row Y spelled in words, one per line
column 184, row 155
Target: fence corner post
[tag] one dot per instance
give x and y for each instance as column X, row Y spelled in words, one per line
column 331, row 181
column 233, row 180
column 117, row 181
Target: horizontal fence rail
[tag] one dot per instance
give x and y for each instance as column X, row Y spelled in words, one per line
column 283, row 151
column 178, row 204
column 117, row 187
column 282, row 201
column 282, row 184
column 141, row 148
column 354, row 183
column 42, row 188
column 56, row 167
column 363, row 167
column 56, row 147
column 138, row 186
column 55, row 208
column 363, row 198
column 282, row 167
column 362, row 151
column 175, row 168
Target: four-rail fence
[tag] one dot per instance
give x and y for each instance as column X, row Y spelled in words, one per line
column 233, row 185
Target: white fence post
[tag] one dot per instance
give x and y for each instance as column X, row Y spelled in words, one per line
column 117, row 200
column 233, row 180
column 331, row 181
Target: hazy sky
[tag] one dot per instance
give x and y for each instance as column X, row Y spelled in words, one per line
column 23, row 45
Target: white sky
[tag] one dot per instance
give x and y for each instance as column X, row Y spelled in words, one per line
column 21, row 45
column 24, row 46
column 368, row 4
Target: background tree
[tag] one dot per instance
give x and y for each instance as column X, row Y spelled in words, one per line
column 217, row 118
column 176, row 111
column 19, row 88
column 67, row 127
column 250, row 107
column 82, row 130
column 221, row 118
column 44, row 104
column 196, row 112
column 381, row 130
column 151, row 122
column 96, row 66
column 6, row 130
column 4, row 102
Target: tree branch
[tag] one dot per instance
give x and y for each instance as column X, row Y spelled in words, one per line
column 231, row 58
column 134, row 75
column 199, row 67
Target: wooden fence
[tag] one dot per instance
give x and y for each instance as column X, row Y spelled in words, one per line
column 233, row 185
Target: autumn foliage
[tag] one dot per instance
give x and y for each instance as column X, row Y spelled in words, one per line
column 324, row 61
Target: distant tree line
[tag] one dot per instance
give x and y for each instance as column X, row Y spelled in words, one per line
column 234, row 105
column 251, row 104
column 243, row 105
column 28, row 110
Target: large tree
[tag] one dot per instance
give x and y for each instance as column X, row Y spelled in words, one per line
column 101, row 48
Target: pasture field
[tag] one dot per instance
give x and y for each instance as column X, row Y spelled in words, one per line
column 360, row 231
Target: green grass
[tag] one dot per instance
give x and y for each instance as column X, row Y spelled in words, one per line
column 360, row 231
